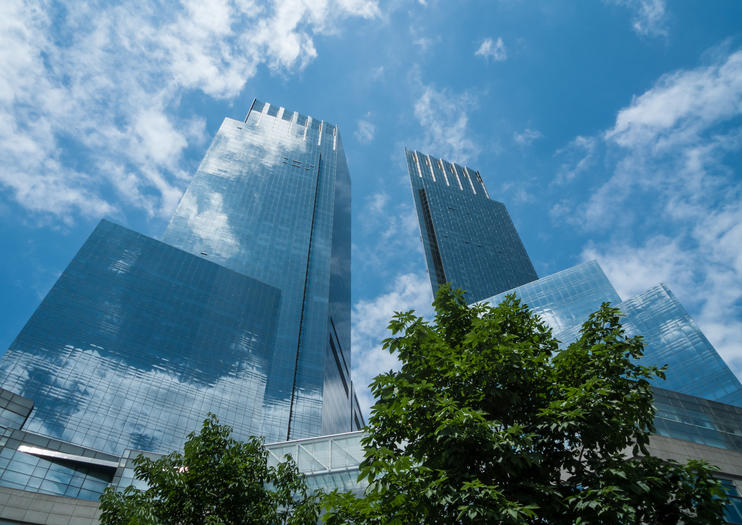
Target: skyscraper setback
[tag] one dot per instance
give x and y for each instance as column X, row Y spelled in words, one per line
column 242, row 309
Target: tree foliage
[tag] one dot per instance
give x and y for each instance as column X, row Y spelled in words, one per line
column 216, row 480
column 486, row 422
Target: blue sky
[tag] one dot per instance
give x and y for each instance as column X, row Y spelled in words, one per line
column 612, row 131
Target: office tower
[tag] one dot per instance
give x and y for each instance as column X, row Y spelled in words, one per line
column 271, row 200
column 699, row 405
column 468, row 238
column 241, row 309
column 470, row 241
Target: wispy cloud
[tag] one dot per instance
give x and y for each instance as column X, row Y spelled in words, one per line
column 392, row 234
column 671, row 203
column 377, row 73
column 370, row 318
column 672, row 140
column 365, row 131
column 444, row 119
column 492, row 50
column 424, row 41
column 650, row 16
column 394, row 252
column 90, row 116
column 526, row 137
column 577, row 157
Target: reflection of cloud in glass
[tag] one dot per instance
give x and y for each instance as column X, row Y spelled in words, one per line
column 135, row 336
column 109, row 406
column 264, row 197
column 274, row 138
column 550, row 317
column 208, row 221
column 230, row 211
column 263, row 175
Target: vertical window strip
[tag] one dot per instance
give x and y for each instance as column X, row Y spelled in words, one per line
column 294, row 118
column 334, row 138
column 466, row 171
column 479, row 178
column 306, row 127
column 340, row 368
column 443, row 170
column 265, row 110
column 435, row 254
column 319, row 139
column 279, row 115
column 432, row 173
column 458, row 179
column 417, row 163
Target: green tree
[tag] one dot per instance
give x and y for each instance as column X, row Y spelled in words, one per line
column 216, row 480
column 486, row 422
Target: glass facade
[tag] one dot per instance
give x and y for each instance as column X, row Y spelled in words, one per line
column 243, row 310
column 137, row 341
column 565, row 299
column 733, row 511
column 14, row 409
column 672, row 338
column 271, row 199
column 328, row 462
column 691, row 418
column 469, row 239
column 48, row 466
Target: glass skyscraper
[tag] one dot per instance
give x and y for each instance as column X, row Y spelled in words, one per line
column 470, row 242
column 241, row 309
column 271, row 199
column 468, row 238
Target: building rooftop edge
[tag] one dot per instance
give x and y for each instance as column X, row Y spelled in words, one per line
column 285, row 109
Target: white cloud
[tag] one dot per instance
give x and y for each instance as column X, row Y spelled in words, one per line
column 578, row 157
column 650, row 16
column 526, row 137
column 671, row 140
column 681, row 106
column 671, row 203
column 365, row 131
column 561, row 211
column 393, row 234
column 492, row 49
column 158, row 138
column 444, row 119
column 370, row 318
column 90, row 116
column 377, row 72
column 421, row 39
column 376, row 204
column 395, row 242
column 424, row 43
column 632, row 269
